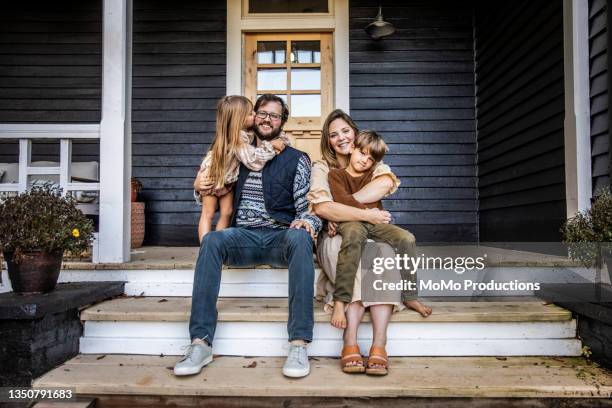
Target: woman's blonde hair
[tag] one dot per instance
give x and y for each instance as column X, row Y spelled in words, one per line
column 328, row 154
column 232, row 112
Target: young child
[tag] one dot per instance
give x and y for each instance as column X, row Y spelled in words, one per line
column 367, row 150
column 232, row 146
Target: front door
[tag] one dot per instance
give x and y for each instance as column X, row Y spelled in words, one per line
column 298, row 67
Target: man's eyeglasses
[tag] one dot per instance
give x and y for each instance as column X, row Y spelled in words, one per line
column 263, row 114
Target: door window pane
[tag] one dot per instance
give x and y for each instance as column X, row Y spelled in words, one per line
column 271, row 52
column 306, row 79
column 272, row 79
column 306, row 52
column 288, row 6
column 305, row 105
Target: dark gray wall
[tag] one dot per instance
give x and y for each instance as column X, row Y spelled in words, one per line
column 178, row 76
column 520, row 113
column 417, row 88
column 50, row 69
column 598, row 52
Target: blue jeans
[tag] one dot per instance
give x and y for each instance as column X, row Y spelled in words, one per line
column 249, row 247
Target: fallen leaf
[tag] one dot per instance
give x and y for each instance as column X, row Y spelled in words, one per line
column 100, row 357
column 501, row 358
column 162, row 300
column 252, row 365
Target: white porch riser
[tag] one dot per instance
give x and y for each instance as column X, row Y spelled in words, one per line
column 331, row 348
column 404, row 339
column 273, row 282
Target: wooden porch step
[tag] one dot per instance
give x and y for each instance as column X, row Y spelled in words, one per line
column 177, row 309
column 540, row 377
column 257, row 326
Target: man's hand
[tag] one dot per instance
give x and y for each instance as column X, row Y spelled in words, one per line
column 278, row 145
column 332, row 228
column 297, row 224
column 376, row 216
column 203, row 185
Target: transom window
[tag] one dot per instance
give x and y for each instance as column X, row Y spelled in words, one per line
column 287, row 6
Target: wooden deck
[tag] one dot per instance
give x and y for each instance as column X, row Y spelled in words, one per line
column 261, row 377
column 156, row 257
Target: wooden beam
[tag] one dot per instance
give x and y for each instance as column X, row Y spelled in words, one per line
column 577, row 131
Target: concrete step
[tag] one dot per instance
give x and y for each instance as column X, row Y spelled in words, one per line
column 257, row 326
column 146, row 378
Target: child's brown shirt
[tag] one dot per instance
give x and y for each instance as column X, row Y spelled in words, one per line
column 343, row 186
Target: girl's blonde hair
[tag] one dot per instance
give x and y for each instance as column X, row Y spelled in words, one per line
column 328, row 154
column 232, row 112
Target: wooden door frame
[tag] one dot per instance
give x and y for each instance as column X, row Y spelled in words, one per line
column 336, row 23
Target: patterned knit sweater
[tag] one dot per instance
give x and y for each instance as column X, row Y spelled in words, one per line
column 251, row 211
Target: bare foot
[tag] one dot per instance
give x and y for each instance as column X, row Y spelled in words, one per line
column 338, row 318
column 419, row 307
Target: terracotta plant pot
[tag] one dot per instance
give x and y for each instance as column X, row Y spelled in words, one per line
column 36, row 272
column 136, row 187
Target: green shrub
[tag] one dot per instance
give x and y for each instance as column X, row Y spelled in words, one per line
column 590, row 231
column 41, row 219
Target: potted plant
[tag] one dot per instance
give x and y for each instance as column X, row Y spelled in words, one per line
column 36, row 227
column 589, row 233
column 588, row 236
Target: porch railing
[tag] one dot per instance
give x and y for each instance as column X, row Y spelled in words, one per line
column 66, row 134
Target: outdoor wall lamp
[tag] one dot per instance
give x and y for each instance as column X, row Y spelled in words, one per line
column 379, row 28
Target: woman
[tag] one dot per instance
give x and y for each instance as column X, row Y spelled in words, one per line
column 338, row 132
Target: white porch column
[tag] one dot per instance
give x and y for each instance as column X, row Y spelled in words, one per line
column 577, row 106
column 115, row 132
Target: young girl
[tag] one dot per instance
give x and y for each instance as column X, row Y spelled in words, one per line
column 221, row 165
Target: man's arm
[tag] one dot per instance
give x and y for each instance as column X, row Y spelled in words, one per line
column 340, row 191
column 301, row 185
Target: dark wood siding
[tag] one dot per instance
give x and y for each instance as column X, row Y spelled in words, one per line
column 598, row 52
column 417, row 88
column 520, row 113
column 50, row 69
column 178, row 76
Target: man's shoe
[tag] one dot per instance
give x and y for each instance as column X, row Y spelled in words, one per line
column 297, row 364
column 198, row 355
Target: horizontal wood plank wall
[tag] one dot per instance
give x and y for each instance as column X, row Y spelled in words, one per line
column 417, row 88
column 598, row 53
column 50, row 70
column 178, row 76
column 520, row 114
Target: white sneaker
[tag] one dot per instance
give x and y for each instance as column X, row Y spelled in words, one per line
column 297, row 364
column 198, row 355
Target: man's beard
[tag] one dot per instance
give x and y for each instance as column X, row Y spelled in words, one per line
column 273, row 135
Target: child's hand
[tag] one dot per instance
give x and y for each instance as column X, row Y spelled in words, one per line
column 278, row 145
column 332, row 228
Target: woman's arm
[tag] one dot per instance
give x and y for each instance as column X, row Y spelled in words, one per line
column 337, row 212
column 375, row 190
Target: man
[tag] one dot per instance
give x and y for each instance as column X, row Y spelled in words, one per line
column 270, row 225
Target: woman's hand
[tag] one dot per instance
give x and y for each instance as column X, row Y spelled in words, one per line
column 376, row 216
column 278, row 145
column 332, row 228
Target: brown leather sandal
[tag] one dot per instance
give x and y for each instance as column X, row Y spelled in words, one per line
column 378, row 356
column 352, row 354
